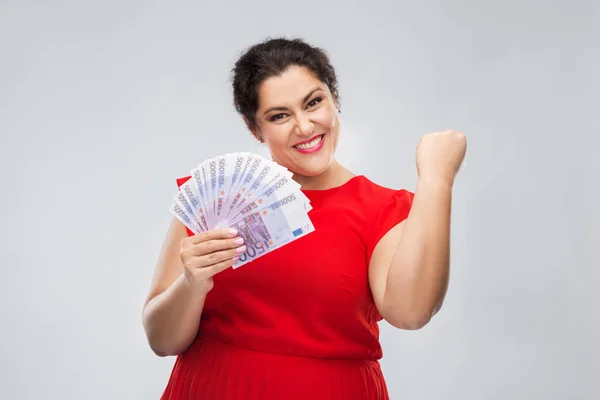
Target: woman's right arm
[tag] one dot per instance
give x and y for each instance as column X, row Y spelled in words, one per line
column 181, row 281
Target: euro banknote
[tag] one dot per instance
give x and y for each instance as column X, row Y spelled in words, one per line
column 245, row 191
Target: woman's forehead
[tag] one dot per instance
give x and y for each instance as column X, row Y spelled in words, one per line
column 289, row 87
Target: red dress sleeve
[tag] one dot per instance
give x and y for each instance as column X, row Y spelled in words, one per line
column 393, row 207
column 181, row 181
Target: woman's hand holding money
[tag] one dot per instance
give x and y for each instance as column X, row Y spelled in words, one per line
column 208, row 253
column 249, row 193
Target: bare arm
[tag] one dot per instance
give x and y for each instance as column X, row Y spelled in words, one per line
column 410, row 265
column 181, row 281
column 409, row 269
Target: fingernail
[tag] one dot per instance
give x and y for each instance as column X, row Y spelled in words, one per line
column 241, row 249
column 235, row 258
column 239, row 241
column 233, row 232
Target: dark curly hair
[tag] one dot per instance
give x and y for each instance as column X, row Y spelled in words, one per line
column 272, row 58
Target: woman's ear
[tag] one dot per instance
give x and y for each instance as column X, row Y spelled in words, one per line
column 336, row 105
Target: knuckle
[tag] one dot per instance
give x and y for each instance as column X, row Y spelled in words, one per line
column 209, row 284
column 210, row 246
column 185, row 256
column 224, row 256
column 212, row 258
column 185, row 263
column 185, row 244
column 206, row 236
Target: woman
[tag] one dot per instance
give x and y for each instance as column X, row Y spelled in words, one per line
column 301, row 322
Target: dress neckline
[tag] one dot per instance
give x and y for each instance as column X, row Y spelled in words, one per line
column 335, row 188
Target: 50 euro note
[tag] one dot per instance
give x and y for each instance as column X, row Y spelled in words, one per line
column 271, row 227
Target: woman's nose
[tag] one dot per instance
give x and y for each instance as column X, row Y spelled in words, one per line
column 304, row 126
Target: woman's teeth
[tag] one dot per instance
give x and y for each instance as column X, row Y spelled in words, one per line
column 310, row 145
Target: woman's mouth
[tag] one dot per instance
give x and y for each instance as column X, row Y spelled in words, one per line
column 312, row 146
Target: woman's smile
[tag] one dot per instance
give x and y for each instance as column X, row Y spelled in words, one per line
column 311, row 145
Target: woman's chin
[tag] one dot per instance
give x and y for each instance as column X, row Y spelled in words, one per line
column 309, row 165
column 313, row 167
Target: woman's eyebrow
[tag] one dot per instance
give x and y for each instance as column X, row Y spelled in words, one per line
column 304, row 100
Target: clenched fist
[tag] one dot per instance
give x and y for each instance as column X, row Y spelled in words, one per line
column 440, row 154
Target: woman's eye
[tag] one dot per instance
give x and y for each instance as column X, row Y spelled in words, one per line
column 276, row 117
column 314, row 102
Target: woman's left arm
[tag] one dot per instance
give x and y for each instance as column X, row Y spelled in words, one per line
column 409, row 268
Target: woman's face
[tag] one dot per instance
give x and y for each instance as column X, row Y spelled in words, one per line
column 297, row 119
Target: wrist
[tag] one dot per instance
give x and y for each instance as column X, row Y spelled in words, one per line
column 194, row 285
column 436, row 182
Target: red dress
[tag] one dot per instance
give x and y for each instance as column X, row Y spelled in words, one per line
column 300, row 322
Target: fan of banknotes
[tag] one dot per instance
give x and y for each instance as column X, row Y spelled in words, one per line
column 247, row 192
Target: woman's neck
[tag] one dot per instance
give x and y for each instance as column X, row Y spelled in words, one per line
column 335, row 175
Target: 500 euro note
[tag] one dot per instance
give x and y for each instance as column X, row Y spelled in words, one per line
column 270, row 227
column 245, row 191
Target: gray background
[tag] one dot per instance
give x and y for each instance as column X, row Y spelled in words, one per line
column 104, row 104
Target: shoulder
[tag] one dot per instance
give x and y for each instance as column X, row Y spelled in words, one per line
column 376, row 195
column 384, row 208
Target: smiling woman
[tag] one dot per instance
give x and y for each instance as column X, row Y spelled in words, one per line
column 302, row 322
column 297, row 119
column 287, row 92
